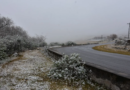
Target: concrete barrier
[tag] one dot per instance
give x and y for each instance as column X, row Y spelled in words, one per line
column 54, row 54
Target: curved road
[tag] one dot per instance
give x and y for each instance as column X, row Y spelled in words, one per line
column 111, row 62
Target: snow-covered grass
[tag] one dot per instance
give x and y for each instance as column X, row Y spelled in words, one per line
column 30, row 73
column 24, row 74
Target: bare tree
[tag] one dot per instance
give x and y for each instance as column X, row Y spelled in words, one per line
column 112, row 36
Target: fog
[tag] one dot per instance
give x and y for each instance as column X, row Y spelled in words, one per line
column 68, row 20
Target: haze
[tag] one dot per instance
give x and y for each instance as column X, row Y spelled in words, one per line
column 68, row 20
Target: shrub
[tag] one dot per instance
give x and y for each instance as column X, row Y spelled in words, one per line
column 70, row 43
column 3, row 55
column 69, row 67
column 55, row 44
column 17, row 44
column 15, row 39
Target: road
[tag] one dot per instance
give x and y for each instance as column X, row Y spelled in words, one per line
column 111, row 62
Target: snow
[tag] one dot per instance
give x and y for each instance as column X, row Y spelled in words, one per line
column 23, row 74
column 28, row 74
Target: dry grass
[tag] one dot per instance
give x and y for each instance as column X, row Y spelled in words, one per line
column 19, row 58
column 106, row 49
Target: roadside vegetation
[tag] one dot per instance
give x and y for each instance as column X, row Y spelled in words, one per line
column 30, row 72
column 69, row 68
column 108, row 38
column 69, row 43
column 70, row 73
column 104, row 48
column 13, row 39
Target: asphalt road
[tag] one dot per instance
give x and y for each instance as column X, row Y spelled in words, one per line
column 111, row 62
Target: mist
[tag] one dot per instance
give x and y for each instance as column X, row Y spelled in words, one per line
column 68, row 20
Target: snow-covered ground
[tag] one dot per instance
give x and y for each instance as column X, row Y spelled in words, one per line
column 24, row 74
column 30, row 73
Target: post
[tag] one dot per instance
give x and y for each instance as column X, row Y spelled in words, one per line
column 128, row 31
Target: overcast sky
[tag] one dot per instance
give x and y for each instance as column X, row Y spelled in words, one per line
column 68, row 20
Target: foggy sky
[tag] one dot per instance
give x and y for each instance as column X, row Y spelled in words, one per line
column 68, row 20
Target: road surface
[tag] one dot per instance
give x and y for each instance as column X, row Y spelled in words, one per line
column 111, row 62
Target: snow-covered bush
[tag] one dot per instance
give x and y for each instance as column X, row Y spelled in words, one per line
column 18, row 44
column 13, row 39
column 69, row 67
column 70, row 43
column 3, row 55
column 55, row 44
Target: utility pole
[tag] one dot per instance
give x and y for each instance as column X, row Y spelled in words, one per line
column 128, row 31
